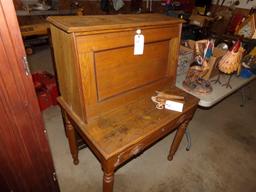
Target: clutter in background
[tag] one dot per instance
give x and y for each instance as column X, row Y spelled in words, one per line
column 46, row 89
column 249, row 63
column 186, row 57
column 221, row 60
column 234, row 35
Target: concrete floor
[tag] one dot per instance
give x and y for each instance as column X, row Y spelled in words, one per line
column 222, row 157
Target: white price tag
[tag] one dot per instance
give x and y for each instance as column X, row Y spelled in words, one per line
column 172, row 105
column 138, row 43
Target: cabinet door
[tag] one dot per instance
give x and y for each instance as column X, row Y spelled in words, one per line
column 25, row 159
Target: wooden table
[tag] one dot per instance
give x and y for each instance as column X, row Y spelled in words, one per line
column 123, row 133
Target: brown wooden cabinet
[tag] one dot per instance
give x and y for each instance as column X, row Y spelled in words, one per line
column 95, row 63
column 106, row 89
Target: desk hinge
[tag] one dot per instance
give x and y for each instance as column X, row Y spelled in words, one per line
column 25, row 64
column 54, row 176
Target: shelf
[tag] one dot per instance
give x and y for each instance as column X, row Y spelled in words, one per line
column 46, row 12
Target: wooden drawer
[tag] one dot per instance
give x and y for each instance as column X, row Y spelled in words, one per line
column 141, row 146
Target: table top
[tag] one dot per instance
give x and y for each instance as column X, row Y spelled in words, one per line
column 108, row 22
column 219, row 92
column 129, row 124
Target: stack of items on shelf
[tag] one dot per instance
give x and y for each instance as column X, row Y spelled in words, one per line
column 46, row 89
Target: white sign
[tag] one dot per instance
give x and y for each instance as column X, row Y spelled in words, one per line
column 172, row 105
column 138, row 43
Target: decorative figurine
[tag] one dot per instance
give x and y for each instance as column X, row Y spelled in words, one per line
column 198, row 69
column 231, row 63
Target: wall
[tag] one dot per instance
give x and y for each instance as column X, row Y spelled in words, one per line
column 91, row 7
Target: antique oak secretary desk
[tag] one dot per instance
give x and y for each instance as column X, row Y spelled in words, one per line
column 106, row 90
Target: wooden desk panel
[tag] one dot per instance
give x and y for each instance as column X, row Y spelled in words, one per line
column 118, row 70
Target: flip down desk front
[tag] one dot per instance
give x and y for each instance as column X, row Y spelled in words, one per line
column 106, row 90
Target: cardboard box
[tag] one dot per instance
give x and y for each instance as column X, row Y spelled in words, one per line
column 213, row 69
column 199, row 20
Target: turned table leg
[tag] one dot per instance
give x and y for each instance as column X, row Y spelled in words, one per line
column 64, row 119
column 177, row 139
column 72, row 141
column 108, row 182
column 108, row 176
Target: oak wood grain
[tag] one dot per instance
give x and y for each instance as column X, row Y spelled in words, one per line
column 114, row 86
column 110, row 40
column 67, row 71
column 119, row 129
column 118, row 70
column 99, row 71
column 99, row 22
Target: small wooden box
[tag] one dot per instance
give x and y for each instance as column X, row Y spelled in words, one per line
column 213, row 62
column 96, row 68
